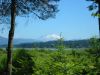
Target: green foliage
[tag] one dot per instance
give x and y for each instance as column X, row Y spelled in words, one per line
column 2, row 51
column 53, row 62
column 95, row 52
column 94, row 7
column 60, row 44
column 2, row 63
column 94, row 47
column 42, row 9
column 22, row 63
column 56, row 63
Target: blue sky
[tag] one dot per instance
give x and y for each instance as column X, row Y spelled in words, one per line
column 73, row 20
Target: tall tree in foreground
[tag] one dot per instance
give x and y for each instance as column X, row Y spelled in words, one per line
column 43, row 9
column 94, row 42
column 95, row 6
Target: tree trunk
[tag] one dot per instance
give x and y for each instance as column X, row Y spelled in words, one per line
column 10, row 40
column 99, row 18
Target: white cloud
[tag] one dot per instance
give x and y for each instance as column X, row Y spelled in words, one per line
column 52, row 37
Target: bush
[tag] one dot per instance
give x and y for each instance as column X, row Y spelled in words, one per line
column 2, row 51
column 2, row 64
column 95, row 52
column 22, row 63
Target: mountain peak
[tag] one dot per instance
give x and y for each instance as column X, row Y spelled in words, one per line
column 49, row 37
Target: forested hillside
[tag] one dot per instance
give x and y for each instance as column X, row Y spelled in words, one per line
column 53, row 44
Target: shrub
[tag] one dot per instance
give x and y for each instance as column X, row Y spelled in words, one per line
column 2, row 64
column 22, row 63
column 95, row 52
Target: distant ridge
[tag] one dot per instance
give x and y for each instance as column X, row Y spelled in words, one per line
column 4, row 41
column 30, row 43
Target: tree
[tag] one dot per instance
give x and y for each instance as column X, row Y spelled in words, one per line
column 43, row 9
column 93, row 6
column 4, row 19
column 95, row 42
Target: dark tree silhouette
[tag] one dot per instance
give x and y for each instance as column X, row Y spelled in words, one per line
column 95, row 6
column 43, row 9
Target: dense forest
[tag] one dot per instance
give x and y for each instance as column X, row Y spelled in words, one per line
column 53, row 44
